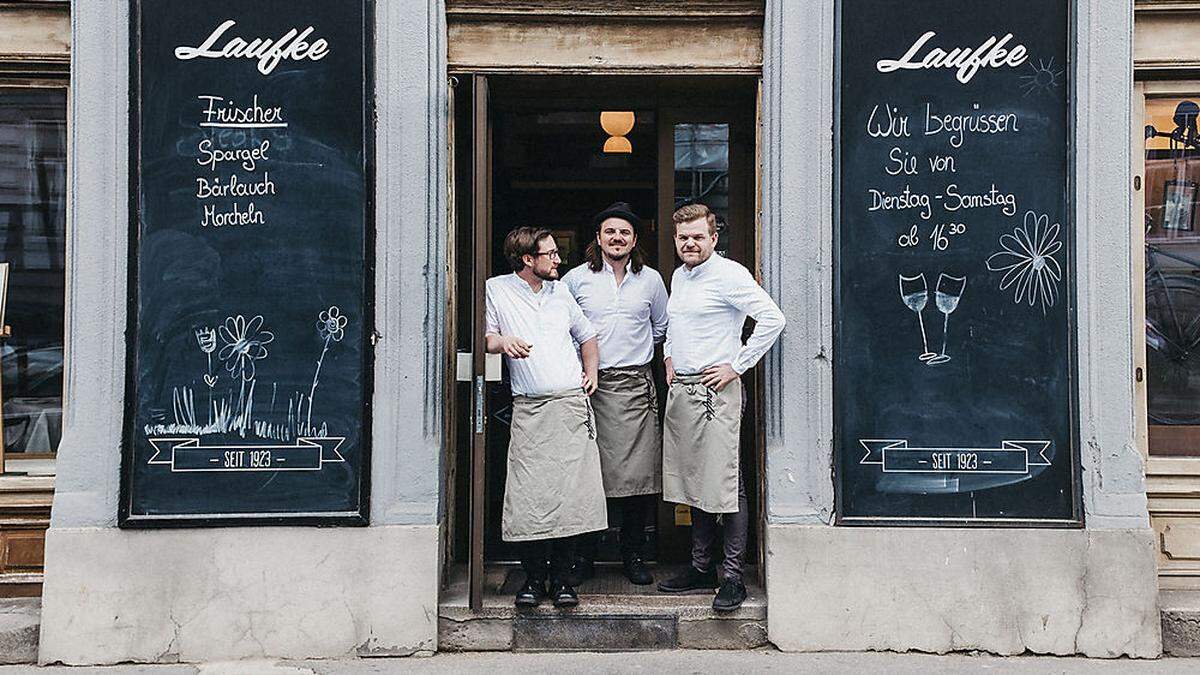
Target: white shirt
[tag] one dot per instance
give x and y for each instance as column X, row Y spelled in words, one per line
column 551, row 321
column 708, row 307
column 629, row 319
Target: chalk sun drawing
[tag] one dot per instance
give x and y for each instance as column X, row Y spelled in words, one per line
column 1044, row 78
column 1028, row 263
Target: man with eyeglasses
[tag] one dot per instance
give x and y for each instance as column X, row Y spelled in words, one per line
column 553, row 490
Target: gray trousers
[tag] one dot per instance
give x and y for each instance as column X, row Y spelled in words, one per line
column 705, row 529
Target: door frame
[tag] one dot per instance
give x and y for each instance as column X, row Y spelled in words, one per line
column 745, row 206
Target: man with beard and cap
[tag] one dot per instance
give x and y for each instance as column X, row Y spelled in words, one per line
column 553, row 490
column 711, row 296
column 627, row 303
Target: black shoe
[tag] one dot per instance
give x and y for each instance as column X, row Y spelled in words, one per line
column 531, row 594
column 635, row 570
column 690, row 580
column 563, row 595
column 581, row 571
column 730, row 597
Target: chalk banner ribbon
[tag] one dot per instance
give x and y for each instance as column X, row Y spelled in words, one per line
column 1012, row 457
column 186, row 454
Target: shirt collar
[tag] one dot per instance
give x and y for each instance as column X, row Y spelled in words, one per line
column 702, row 267
column 609, row 268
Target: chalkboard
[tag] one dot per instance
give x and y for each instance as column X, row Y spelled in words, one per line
column 954, row 358
column 250, row 324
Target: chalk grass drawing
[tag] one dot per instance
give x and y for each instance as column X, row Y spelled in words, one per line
column 1028, row 262
column 1045, row 77
column 243, row 348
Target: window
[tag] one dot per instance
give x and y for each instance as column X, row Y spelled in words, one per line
column 33, row 194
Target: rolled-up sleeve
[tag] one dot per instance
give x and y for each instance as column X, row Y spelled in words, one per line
column 658, row 310
column 491, row 314
column 744, row 293
column 581, row 329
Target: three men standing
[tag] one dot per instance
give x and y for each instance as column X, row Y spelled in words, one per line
column 554, row 489
column 627, row 303
column 711, row 296
column 567, row 451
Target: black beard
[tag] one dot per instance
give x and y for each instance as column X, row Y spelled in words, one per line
column 548, row 276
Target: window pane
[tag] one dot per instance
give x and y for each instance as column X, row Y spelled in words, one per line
column 702, row 172
column 33, row 133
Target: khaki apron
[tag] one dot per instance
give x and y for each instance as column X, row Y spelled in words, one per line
column 701, row 434
column 554, row 488
column 627, row 431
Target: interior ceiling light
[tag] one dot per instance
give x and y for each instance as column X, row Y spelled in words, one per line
column 617, row 124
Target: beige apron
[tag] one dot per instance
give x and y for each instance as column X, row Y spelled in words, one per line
column 627, row 430
column 701, row 433
column 554, row 488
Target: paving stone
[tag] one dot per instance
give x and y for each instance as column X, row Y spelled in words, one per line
column 20, row 620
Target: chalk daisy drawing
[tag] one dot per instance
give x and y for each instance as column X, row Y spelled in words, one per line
column 1028, row 262
column 245, row 343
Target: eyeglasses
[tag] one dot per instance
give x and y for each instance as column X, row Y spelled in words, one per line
column 553, row 254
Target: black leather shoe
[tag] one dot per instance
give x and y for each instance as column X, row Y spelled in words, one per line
column 635, row 570
column 581, row 571
column 691, row 579
column 730, row 597
column 563, row 595
column 531, row 594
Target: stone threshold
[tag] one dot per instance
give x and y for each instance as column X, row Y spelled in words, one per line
column 605, row 620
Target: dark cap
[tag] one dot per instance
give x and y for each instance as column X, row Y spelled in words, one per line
column 620, row 210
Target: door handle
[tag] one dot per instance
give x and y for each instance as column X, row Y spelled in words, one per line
column 463, row 366
column 491, row 367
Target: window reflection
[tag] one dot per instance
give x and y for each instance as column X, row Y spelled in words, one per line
column 33, row 242
column 702, row 172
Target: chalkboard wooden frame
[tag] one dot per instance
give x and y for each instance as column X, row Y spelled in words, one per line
column 1076, row 519
column 357, row 518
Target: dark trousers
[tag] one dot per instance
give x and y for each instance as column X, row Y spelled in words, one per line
column 635, row 513
column 547, row 557
column 706, row 529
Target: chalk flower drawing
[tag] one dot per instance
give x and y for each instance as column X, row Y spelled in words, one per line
column 1028, row 262
column 244, row 344
column 207, row 339
column 331, row 324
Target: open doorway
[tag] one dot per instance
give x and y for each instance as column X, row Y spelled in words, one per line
column 531, row 151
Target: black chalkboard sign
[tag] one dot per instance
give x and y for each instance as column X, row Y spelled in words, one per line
column 251, row 277
column 954, row 357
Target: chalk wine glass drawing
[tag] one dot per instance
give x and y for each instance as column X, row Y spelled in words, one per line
column 914, row 291
column 1027, row 259
column 949, row 291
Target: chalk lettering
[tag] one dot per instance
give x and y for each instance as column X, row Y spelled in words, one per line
column 992, row 53
column 292, row 45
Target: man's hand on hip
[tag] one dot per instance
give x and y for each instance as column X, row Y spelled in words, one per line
column 716, row 377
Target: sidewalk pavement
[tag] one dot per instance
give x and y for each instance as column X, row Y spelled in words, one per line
column 764, row 661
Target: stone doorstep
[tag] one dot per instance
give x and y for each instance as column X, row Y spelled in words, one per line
column 618, row 623
column 20, row 621
column 1180, row 611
